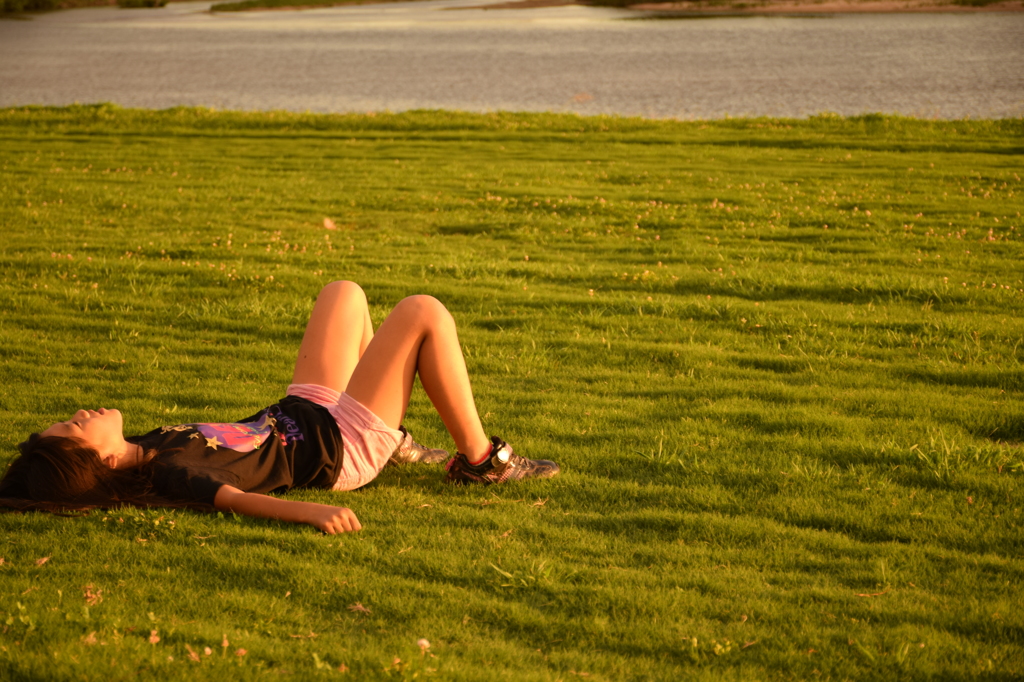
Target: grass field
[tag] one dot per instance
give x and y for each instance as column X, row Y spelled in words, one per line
column 780, row 363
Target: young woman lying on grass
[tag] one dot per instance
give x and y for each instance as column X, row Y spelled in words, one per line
column 337, row 428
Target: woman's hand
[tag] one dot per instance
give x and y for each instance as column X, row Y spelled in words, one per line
column 327, row 518
column 333, row 520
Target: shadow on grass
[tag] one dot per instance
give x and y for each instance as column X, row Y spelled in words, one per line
column 468, row 229
column 850, row 529
column 425, row 478
column 1001, row 378
column 778, row 365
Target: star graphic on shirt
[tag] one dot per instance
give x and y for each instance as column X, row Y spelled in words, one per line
column 194, row 434
column 213, row 443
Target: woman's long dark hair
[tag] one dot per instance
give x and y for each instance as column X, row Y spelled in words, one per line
column 58, row 474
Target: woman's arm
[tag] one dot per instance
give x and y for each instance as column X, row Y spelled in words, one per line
column 329, row 519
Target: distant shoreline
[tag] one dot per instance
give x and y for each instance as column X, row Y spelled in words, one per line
column 825, row 7
column 678, row 8
column 695, row 8
column 786, row 7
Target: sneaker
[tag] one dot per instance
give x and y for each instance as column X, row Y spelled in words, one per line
column 409, row 451
column 502, row 465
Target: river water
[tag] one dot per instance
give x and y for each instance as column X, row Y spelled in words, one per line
column 439, row 54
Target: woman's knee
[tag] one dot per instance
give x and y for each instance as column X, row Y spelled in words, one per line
column 425, row 309
column 343, row 291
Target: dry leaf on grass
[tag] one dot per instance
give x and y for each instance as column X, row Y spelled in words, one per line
column 329, row 224
column 541, row 503
column 192, row 653
column 358, row 607
column 92, row 598
column 42, row 560
column 89, row 639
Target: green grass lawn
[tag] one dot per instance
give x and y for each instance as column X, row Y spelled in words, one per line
column 780, row 363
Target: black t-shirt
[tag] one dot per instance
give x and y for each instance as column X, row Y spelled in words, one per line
column 291, row 444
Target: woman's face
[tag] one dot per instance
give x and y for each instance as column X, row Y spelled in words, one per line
column 100, row 429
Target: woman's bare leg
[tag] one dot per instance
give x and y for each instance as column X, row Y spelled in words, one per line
column 419, row 336
column 338, row 333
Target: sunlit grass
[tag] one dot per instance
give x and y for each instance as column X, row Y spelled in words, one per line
column 779, row 362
